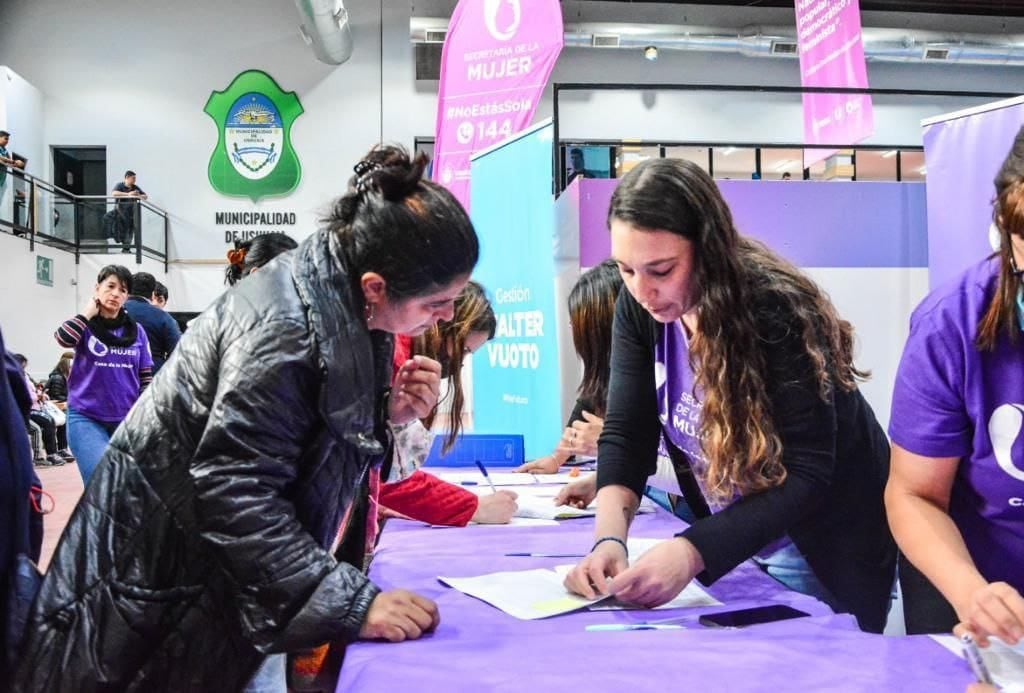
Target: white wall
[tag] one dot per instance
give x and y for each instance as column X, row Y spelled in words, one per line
column 30, row 312
column 21, row 114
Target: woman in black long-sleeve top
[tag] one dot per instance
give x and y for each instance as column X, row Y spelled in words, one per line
column 745, row 365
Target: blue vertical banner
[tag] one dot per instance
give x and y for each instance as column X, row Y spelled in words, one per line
column 516, row 375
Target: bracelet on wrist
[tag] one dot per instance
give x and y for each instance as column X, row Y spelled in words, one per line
column 615, row 539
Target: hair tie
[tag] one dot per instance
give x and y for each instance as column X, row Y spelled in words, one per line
column 236, row 256
column 364, row 172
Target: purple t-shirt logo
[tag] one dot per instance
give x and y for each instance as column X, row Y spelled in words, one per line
column 1004, row 430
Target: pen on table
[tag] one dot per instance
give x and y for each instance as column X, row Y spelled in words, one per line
column 547, row 555
column 974, row 660
column 605, row 627
column 483, row 470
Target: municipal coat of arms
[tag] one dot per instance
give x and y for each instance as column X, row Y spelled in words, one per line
column 254, row 157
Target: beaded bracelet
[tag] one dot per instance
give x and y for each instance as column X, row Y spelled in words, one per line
column 615, row 539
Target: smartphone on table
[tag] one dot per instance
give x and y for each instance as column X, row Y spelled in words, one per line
column 750, row 617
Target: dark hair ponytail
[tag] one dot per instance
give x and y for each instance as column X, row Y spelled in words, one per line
column 410, row 230
column 254, row 253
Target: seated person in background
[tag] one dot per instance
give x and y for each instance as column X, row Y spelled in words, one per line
column 249, row 256
column 161, row 328
column 957, row 427
column 416, row 494
column 591, row 312
column 745, row 367
column 37, row 415
column 57, row 382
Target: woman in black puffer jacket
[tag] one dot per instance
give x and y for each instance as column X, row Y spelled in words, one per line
column 227, row 519
column 57, row 383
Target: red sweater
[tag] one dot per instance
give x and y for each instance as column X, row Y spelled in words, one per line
column 423, row 496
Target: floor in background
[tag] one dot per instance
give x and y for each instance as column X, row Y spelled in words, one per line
column 65, row 485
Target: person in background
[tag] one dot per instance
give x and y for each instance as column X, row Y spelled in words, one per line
column 413, row 493
column 161, row 329
column 227, row 521
column 6, row 160
column 591, row 314
column 129, row 194
column 248, row 256
column 787, row 176
column 112, row 366
column 745, row 367
column 160, row 296
column 38, row 416
column 577, row 168
column 57, row 382
column 957, row 427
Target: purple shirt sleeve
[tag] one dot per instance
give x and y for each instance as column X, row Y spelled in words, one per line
column 929, row 416
column 145, row 355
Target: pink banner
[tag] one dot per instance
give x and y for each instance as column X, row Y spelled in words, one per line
column 496, row 61
column 832, row 55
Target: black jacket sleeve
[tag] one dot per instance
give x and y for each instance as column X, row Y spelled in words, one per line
column 628, row 447
column 807, row 425
column 172, row 334
column 292, row 592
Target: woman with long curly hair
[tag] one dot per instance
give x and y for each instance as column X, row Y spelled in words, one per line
column 744, row 364
column 954, row 497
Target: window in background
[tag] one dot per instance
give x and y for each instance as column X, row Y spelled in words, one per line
column 912, row 166
column 698, row 155
column 627, row 156
column 873, row 164
column 590, row 162
column 735, row 163
column 776, row 162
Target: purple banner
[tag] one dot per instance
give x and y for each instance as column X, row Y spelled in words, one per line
column 812, row 224
column 963, row 154
column 832, row 55
column 495, row 64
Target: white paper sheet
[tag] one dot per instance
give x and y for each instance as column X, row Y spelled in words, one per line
column 524, row 594
column 539, row 593
column 1005, row 663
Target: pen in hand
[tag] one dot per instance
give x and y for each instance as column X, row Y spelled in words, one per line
column 483, row 470
column 974, row 659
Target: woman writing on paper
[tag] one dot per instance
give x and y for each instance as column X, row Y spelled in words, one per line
column 214, row 533
column 957, row 484
column 746, row 367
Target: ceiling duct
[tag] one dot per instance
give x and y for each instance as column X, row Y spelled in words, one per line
column 325, row 27
column 880, row 44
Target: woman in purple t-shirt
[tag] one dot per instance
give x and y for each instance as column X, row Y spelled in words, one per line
column 112, row 367
column 956, row 493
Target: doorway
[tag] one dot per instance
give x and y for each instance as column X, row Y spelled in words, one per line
column 83, row 171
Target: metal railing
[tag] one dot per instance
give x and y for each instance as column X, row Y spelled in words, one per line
column 81, row 224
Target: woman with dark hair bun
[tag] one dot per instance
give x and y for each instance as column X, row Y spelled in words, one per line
column 744, row 366
column 248, row 256
column 956, row 494
column 227, row 520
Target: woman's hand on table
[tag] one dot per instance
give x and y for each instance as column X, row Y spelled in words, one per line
column 548, row 464
column 590, row 576
column 659, row 575
column 415, row 390
column 398, row 615
column 578, row 494
column 496, row 508
column 993, row 609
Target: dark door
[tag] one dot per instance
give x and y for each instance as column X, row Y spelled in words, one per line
column 83, row 171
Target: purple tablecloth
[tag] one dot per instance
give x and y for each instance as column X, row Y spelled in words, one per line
column 480, row 649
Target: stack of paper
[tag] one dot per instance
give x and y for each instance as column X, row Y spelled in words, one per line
column 539, row 593
column 1005, row 662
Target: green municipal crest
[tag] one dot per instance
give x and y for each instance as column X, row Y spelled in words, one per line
column 254, row 157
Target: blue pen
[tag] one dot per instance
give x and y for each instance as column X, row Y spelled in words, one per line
column 974, row 659
column 483, row 470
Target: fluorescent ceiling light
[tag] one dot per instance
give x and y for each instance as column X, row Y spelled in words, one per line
column 889, row 154
column 783, row 165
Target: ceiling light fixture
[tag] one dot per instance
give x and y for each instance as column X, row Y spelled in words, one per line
column 651, row 53
column 889, row 154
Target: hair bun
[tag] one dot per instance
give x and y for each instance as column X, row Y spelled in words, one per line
column 389, row 170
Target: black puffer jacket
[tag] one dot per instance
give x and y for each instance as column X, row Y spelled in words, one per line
column 203, row 537
column 57, row 387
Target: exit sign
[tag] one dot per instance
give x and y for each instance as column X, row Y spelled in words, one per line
column 44, row 270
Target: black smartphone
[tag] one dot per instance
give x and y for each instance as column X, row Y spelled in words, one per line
column 750, row 617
